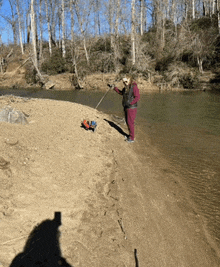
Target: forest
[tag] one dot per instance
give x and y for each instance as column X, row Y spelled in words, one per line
column 164, row 41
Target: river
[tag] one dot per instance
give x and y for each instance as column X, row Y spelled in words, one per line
column 183, row 126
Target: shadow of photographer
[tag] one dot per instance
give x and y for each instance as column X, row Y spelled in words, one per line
column 42, row 248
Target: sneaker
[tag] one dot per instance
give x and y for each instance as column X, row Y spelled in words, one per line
column 126, row 137
column 129, row 140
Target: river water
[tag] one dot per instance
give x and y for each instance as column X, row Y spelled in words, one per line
column 183, row 126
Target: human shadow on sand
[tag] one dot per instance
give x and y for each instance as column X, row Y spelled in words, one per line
column 42, row 247
column 112, row 124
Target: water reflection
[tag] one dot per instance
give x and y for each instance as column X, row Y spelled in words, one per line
column 188, row 134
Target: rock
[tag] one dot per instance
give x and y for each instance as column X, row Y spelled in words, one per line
column 11, row 141
column 4, row 164
column 12, row 115
column 48, row 85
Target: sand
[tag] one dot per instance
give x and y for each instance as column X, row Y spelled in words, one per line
column 119, row 203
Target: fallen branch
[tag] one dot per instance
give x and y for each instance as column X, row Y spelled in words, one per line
column 22, row 64
column 14, row 72
column 10, row 53
column 14, row 239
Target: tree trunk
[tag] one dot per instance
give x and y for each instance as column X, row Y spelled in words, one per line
column 133, row 31
column 217, row 9
column 82, row 31
column 63, row 30
column 41, row 30
column 72, row 39
column 59, row 27
column 75, row 77
column 214, row 6
column 193, row 9
column 173, row 12
column 48, row 28
column 117, row 18
column 186, row 10
column 72, row 22
column 111, row 23
column 97, row 18
column 116, row 44
column 200, row 62
column 13, row 22
column 53, row 7
column 141, row 17
column 33, row 34
column 163, row 33
column 203, row 8
column 19, row 26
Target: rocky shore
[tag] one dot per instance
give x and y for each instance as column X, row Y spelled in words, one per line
column 114, row 208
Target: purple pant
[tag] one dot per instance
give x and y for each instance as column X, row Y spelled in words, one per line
column 130, row 115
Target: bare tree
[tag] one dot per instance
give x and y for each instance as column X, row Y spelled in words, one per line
column 54, row 7
column 97, row 17
column 118, row 10
column 111, row 21
column 19, row 26
column 218, row 10
column 133, row 31
column 48, row 28
column 173, row 11
column 41, row 29
column 214, row 6
column 11, row 19
column 72, row 21
column 142, row 5
column 193, row 10
column 82, row 20
column 73, row 48
column 63, row 29
column 33, row 34
column 116, row 40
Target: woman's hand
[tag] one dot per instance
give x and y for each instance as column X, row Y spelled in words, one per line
column 112, row 86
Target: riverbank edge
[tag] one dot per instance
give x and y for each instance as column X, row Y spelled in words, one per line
column 94, row 82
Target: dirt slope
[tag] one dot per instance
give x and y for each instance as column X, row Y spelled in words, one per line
column 98, row 81
column 115, row 209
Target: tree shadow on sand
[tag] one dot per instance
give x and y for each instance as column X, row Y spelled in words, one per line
column 112, row 124
column 42, row 247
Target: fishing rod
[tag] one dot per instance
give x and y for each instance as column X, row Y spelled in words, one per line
column 110, row 87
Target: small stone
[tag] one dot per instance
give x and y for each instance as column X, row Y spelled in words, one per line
column 11, row 141
column 8, row 212
column 4, row 164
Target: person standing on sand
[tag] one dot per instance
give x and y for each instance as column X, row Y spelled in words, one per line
column 131, row 96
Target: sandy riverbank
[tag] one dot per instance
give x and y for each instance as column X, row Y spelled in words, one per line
column 16, row 79
column 116, row 210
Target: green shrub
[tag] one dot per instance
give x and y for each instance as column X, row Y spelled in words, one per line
column 102, row 44
column 188, row 81
column 163, row 63
column 204, row 23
